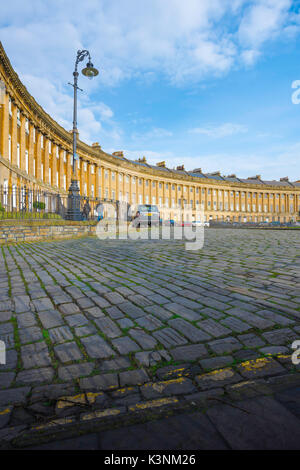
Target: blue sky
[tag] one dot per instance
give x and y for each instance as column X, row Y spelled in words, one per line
column 204, row 83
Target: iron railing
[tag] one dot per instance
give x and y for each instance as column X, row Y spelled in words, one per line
column 25, row 203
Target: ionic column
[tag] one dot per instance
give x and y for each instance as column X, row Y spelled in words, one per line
column 117, row 185
column 22, row 143
column 46, row 160
column 38, row 155
column 70, row 170
column 5, row 126
column 87, row 178
column 14, row 135
column 97, row 180
column 102, row 182
column 31, row 150
column 110, row 184
column 54, row 164
column 61, row 169
column 81, row 178
column 130, row 189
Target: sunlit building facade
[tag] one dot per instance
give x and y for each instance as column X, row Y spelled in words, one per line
column 36, row 153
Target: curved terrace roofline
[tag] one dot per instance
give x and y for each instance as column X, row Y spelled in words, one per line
column 46, row 124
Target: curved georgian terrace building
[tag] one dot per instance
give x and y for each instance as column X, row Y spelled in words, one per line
column 36, row 153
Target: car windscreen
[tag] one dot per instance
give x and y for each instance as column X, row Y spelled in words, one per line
column 147, row 208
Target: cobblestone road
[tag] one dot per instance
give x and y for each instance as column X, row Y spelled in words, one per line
column 143, row 320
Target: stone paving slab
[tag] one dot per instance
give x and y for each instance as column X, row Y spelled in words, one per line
column 260, row 423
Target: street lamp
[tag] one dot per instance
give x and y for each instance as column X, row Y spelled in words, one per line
column 89, row 71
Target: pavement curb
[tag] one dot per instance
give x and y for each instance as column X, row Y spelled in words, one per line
column 257, row 377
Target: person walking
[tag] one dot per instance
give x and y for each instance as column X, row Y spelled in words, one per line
column 86, row 210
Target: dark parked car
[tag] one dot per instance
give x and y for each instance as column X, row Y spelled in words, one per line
column 148, row 214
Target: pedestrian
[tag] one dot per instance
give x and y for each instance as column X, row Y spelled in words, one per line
column 86, row 210
column 136, row 220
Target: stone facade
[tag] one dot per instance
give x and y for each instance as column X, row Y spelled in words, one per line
column 37, row 152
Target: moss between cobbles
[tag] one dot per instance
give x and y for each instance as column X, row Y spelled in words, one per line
column 161, row 364
column 7, row 270
column 17, row 343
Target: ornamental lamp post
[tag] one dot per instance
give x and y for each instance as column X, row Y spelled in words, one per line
column 89, row 71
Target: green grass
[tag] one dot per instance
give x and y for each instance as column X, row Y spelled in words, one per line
column 28, row 215
column 31, row 222
column 46, row 334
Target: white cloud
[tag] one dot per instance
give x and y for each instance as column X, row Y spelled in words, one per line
column 270, row 166
column 152, row 134
column 250, row 56
column 220, row 131
column 262, row 21
column 184, row 42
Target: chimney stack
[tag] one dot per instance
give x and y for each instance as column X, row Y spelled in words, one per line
column 119, row 153
column 96, row 145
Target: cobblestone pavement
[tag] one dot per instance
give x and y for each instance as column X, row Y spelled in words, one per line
column 118, row 324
